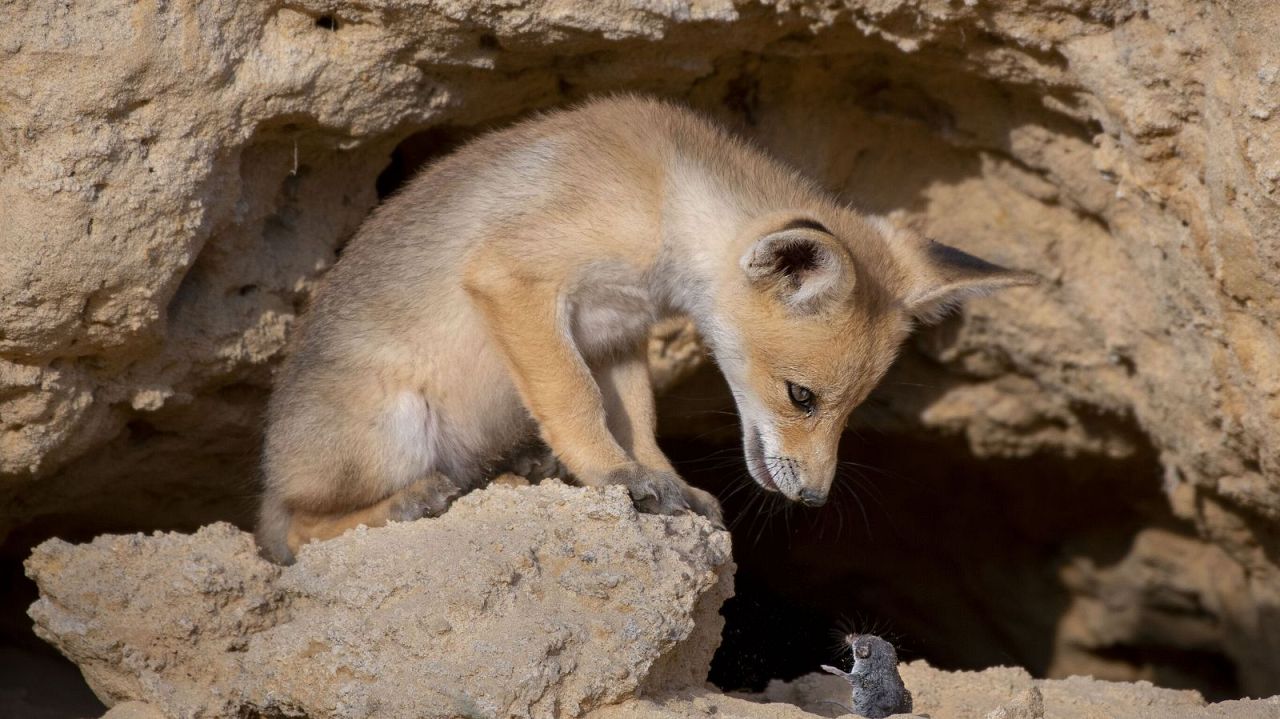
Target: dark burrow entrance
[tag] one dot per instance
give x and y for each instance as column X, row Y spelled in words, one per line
column 955, row 559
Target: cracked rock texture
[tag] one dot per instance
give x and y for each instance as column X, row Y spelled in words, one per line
column 524, row 602
column 175, row 178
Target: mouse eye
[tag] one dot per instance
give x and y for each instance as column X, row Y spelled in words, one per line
column 801, row 397
column 863, row 651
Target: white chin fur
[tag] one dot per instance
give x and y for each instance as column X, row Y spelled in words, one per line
column 754, row 450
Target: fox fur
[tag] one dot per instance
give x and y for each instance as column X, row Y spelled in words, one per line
column 504, row 296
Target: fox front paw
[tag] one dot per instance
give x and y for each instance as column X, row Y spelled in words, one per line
column 653, row 491
column 704, row 503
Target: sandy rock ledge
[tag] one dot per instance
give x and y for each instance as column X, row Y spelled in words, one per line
column 547, row 601
column 1011, row 693
column 543, row 601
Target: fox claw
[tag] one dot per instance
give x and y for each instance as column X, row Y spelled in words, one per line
column 705, row 504
column 642, row 493
column 653, row 491
column 657, row 491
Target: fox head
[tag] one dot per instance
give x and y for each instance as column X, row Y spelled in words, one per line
column 810, row 317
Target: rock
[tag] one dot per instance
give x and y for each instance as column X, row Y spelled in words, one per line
column 530, row 601
column 134, row 710
column 520, row 601
column 700, row 705
column 1027, row 705
column 1011, row 693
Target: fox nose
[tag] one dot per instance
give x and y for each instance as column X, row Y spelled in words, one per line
column 812, row 497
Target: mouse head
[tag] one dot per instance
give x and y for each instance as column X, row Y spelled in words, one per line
column 872, row 656
column 871, row 652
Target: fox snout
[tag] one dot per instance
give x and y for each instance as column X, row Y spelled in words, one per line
column 799, row 483
column 809, row 489
column 812, row 497
column 795, row 478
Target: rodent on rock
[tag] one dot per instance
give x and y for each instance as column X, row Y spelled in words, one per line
column 878, row 690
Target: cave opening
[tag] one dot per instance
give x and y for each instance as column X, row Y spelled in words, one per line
column 416, row 152
column 956, row 558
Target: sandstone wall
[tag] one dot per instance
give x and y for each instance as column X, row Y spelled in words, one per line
column 175, row 178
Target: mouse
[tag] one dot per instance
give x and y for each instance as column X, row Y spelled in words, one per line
column 878, row 690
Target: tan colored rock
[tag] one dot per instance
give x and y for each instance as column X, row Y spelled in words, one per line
column 134, row 710
column 520, row 601
column 1166, row 586
column 1009, row 692
column 694, row 704
column 1027, row 705
column 535, row 601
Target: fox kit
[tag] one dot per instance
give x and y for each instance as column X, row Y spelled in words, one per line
column 505, row 295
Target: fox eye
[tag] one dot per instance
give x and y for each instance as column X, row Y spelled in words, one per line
column 801, row 397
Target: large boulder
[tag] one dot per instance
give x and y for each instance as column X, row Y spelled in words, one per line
column 543, row 601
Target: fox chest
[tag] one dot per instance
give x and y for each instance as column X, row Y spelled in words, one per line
column 608, row 315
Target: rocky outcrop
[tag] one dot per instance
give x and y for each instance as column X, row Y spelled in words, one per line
column 519, row 602
column 175, row 178
column 545, row 601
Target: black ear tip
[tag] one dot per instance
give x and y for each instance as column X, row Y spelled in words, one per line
column 959, row 263
column 957, row 259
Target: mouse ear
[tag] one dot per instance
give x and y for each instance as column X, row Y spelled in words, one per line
column 837, row 672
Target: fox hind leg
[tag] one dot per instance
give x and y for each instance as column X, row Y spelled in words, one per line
column 535, row 461
column 427, row 497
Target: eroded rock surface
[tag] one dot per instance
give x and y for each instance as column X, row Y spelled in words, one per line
column 532, row 601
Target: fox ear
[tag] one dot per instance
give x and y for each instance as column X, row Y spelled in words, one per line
column 940, row 277
column 803, row 266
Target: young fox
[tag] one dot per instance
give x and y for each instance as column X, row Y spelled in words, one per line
column 507, row 291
